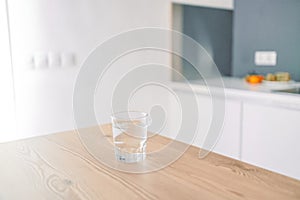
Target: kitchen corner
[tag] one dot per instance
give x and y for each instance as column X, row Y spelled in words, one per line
column 265, row 122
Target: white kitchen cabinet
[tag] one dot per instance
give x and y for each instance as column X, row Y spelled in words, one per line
column 270, row 138
column 229, row 143
column 229, row 140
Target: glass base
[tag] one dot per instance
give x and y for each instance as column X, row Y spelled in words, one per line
column 129, row 157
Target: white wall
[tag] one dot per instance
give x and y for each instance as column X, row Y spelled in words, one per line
column 223, row 4
column 38, row 27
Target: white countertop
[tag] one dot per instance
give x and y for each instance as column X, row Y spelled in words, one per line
column 237, row 88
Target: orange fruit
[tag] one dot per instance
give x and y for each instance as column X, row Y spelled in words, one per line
column 261, row 77
column 254, row 79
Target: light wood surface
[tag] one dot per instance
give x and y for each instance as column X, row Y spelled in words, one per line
column 57, row 166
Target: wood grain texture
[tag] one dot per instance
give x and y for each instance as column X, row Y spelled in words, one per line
column 58, row 167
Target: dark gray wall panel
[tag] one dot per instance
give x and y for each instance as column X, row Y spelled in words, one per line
column 266, row 25
column 212, row 28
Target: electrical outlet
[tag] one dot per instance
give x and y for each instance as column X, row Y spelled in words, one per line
column 265, row 58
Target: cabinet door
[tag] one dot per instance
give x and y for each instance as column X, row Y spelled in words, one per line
column 229, row 140
column 271, row 138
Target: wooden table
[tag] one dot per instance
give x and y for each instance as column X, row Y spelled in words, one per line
column 57, row 166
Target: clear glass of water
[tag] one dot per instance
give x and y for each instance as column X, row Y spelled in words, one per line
column 130, row 135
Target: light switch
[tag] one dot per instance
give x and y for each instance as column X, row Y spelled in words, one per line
column 40, row 60
column 54, row 60
column 265, row 58
column 68, row 59
column 29, row 62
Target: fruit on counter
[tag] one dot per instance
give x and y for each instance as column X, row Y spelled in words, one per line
column 278, row 76
column 270, row 77
column 283, row 76
column 254, row 79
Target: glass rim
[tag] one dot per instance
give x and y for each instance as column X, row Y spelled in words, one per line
column 115, row 115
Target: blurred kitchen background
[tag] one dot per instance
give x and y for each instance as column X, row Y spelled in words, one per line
column 44, row 42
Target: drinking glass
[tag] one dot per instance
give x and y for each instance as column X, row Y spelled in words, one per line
column 129, row 130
